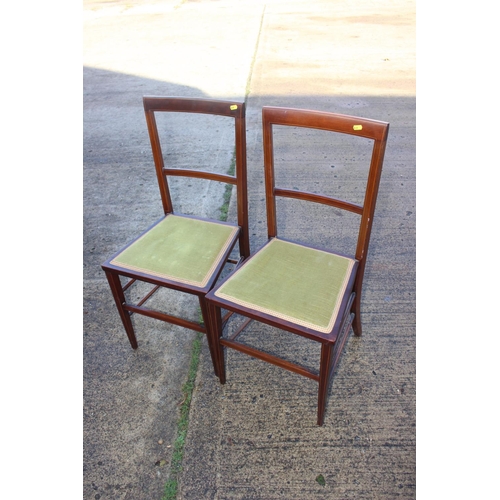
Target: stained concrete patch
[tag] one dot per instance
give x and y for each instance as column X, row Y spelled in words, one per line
column 129, row 401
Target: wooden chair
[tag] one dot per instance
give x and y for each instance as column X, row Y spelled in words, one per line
column 180, row 252
column 311, row 292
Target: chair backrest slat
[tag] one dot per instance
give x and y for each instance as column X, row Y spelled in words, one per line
column 200, row 174
column 318, row 198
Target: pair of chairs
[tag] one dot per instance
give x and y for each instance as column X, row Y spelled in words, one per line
column 308, row 291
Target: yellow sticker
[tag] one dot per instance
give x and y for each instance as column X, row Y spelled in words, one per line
column 357, row 127
column 233, row 107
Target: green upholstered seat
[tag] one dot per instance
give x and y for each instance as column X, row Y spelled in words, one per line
column 298, row 284
column 180, row 249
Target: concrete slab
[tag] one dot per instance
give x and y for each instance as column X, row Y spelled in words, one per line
column 256, row 436
column 133, row 49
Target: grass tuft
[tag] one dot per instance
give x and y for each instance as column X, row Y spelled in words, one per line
column 228, row 191
column 171, row 487
column 170, row 491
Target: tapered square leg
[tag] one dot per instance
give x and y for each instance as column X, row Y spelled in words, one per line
column 211, row 345
column 118, row 295
column 324, row 379
column 214, row 333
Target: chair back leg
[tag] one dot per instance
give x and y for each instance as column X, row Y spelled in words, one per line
column 118, row 295
column 356, row 309
column 324, row 379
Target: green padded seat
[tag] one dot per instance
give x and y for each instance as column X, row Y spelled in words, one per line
column 298, row 284
column 179, row 249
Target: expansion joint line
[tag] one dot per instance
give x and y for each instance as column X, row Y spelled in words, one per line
column 171, row 488
column 252, row 63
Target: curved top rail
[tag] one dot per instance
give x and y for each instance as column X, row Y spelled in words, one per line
column 194, row 105
column 364, row 127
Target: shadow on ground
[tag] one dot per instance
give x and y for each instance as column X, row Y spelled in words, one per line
column 256, row 436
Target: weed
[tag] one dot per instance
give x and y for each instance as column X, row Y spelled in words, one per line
column 228, row 191
column 170, row 491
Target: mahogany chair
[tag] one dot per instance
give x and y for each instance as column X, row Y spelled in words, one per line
column 308, row 291
column 181, row 252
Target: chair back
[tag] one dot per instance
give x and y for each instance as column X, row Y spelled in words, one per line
column 231, row 109
column 371, row 129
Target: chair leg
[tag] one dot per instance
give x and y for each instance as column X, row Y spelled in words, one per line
column 117, row 290
column 214, row 333
column 324, row 379
column 211, row 345
column 356, row 309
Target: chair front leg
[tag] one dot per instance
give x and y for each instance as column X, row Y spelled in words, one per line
column 214, row 333
column 117, row 290
column 211, row 345
column 324, row 379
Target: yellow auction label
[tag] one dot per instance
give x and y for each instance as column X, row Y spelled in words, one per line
column 233, row 107
column 357, row 127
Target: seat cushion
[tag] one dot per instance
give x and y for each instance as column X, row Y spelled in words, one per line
column 180, row 249
column 298, row 284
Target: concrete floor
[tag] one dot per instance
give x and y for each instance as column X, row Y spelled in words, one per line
column 255, row 437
